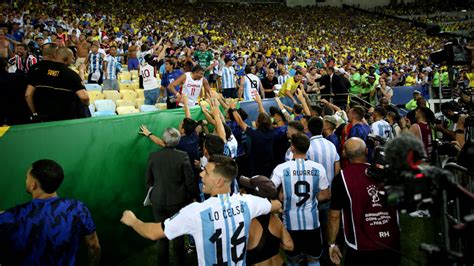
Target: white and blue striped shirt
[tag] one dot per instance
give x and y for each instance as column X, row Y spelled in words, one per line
column 228, row 77
column 220, row 226
column 95, row 62
column 324, row 152
column 251, row 87
column 382, row 129
column 111, row 66
column 282, row 78
column 301, row 182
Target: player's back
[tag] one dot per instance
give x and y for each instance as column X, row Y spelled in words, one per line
column 220, row 226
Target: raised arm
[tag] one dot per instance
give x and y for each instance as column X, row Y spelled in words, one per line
column 220, row 131
column 152, row 231
column 207, row 115
column 300, row 95
column 283, row 110
column 260, row 104
column 147, row 133
column 333, row 107
column 237, row 117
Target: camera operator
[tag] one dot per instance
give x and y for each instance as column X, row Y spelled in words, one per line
column 370, row 227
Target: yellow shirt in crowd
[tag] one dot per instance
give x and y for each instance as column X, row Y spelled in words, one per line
column 290, row 85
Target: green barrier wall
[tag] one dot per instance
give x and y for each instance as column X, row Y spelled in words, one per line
column 104, row 160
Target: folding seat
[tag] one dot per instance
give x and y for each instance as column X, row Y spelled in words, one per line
column 121, row 103
column 104, row 105
column 95, row 95
column 126, row 110
column 93, row 87
column 139, row 102
column 112, row 95
column 140, row 93
column 148, row 108
column 129, row 95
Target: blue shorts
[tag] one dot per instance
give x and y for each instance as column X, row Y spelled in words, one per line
column 132, row 64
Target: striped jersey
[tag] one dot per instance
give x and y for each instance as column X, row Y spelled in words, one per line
column 23, row 64
column 228, row 77
column 220, row 226
column 324, row 152
column 301, row 181
column 251, row 87
column 111, row 66
column 382, row 129
column 282, row 79
column 95, row 62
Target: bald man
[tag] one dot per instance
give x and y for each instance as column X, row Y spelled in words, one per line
column 55, row 92
column 269, row 83
column 370, row 227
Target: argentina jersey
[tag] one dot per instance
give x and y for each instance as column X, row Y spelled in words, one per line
column 301, row 182
column 324, row 152
column 382, row 129
column 220, row 227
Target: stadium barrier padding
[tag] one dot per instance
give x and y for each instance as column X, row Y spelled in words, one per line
column 251, row 107
column 403, row 94
column 104, row 161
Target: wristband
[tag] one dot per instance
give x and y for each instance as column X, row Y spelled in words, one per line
column 233, row 110
column 284, row 110
column 151, row 134
column 459, row 131
column 332, row 245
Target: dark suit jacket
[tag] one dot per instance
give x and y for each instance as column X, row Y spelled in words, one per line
column 337, row 84
column 171, row 175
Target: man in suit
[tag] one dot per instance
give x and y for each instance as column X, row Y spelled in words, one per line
column 171, row 175
column 332, row 83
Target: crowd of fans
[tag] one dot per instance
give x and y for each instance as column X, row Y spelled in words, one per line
column 435, row 12
column 309, row 159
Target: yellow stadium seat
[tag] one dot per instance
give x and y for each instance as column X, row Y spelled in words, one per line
column 121, row 103
column 126, row 86
column 134, row 74
column 122, row 110
column 95, row 95
column 134, row 86
column 129, row 95
column 140, row 93
column 112, row 95
column 124, row 76
column 139, row 102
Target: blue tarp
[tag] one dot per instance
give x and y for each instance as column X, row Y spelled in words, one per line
column 402, row 95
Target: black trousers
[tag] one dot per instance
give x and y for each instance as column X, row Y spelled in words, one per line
column 177, row 244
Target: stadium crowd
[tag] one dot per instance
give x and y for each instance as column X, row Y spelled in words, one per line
column 238, row 192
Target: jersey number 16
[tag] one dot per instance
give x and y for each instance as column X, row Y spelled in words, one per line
column 235, row 240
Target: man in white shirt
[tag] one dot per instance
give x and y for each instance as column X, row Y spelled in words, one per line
column 220, row 225
column 380, row 127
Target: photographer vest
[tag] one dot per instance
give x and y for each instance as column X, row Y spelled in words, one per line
column 368, row 224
